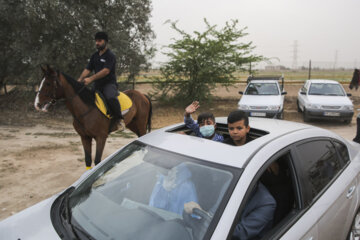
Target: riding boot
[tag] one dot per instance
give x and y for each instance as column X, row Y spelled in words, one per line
column 357, row 137
column 116, row 112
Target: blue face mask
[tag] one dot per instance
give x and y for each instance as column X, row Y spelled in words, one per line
column 207, row 130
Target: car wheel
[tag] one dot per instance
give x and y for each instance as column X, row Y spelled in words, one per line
column 347, row 121
column 354, row 232
column 298, row 107
column 306, row 116
column 280, row 115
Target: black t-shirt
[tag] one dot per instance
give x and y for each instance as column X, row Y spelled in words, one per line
column 97, row 63
column 231, row 142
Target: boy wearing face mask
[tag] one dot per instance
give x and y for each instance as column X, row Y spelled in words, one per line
column 205, row 126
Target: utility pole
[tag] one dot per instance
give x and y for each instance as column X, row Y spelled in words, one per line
column 309, row 69
column 336, row 59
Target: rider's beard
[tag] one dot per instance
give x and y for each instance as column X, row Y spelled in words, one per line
column 100, row 47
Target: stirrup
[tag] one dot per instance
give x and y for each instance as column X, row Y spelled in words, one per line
column 120, row 125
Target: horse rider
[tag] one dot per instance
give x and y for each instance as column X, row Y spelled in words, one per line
column 103, row 63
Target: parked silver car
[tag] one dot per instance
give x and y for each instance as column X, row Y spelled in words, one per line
column 324, row 99
column 138, row 192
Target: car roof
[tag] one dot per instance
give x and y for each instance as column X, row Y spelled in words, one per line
column 264, row 81
column 200, row 148
column 323, row 81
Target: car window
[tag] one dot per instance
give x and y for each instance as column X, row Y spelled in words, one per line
column 327, row 89
column 141, row 192
column 262, row 89
column 320, row 165
column 343, row 152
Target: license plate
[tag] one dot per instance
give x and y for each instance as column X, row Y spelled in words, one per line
column 332, row 114
column 257, row 114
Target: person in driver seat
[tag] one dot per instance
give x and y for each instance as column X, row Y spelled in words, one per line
column 175, row 189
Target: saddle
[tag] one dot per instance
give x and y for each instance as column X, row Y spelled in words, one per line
column 124, row 100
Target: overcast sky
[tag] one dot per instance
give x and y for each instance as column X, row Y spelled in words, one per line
column 325, row 30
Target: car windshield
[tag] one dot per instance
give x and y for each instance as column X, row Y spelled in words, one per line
column 262, row 89
column 140, row 194
column 328, row 89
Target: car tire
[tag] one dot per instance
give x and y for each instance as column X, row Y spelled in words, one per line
column 347, row 121
column 306, row 116
column 298, row 107
column 280, row 115
column 354, row 231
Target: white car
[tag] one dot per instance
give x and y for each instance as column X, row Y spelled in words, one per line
column 324, row 99
column 139, row 191
column 263, row 97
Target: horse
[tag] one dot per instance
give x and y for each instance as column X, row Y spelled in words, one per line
column 88, row 121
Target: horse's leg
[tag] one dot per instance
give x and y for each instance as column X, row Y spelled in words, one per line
column 86, row 142
column 100, row 144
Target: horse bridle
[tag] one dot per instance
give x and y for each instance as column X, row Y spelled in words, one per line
column 53, row 96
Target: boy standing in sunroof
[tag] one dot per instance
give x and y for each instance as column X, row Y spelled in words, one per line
column 205, row 126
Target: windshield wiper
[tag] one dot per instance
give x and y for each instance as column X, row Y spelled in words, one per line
column 65, row 215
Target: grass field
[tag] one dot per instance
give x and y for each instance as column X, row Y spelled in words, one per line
column 293, row 75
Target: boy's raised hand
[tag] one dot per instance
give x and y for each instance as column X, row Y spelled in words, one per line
column 192, row 107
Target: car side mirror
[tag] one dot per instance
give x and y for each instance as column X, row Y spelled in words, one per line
column 349, row 94
column 303, row 93
column 241, row 92
column 283, row 93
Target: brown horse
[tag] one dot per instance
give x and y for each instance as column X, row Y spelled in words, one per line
column 88, row 121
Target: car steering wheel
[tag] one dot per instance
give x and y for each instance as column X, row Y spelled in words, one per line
column 198, row 221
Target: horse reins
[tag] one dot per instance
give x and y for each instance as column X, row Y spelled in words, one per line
column 54, row 99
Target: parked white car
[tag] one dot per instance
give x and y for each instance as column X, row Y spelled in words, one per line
column 317, row 197
column 263, row 97
column 324, row 99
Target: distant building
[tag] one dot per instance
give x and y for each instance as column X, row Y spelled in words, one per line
column 275, row 67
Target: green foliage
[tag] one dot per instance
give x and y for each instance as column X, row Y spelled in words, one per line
column 61, row 33
column 197, row 62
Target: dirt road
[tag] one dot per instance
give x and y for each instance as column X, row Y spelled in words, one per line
column 41, row 154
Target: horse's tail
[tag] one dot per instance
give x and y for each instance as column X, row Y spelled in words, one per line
column 148, row 125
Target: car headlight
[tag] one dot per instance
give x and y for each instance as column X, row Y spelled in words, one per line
column 273, row 107
column 348, row 107
column 313, row 106
column 243, row 107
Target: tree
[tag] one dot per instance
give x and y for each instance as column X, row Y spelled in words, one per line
column 61, row 33
column 196, row 63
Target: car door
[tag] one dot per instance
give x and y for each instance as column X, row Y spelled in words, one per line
column 328, row 186
column 302, row 98
column 283, row 227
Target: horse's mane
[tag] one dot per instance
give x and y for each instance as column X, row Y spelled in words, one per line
column 87, row 95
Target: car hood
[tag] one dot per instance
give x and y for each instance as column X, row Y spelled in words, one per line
column 31, row 223
column 256, row 100
column 329, row 100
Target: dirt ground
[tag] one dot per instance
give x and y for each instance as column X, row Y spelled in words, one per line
column 41, row 154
